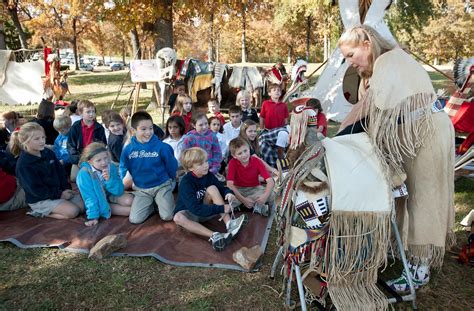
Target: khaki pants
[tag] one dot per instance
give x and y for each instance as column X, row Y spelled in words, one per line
column 253, row 192
column 143, row 202
column 16, row 202
column 74, row 172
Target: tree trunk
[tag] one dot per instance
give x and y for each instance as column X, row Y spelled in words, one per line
column 217, row 46
column 3, row 44
column 211, row 49
column 12, row 11
column 74, row 42
column 308, row 36
column 137, row 49
column 290, row 54
column 163, row 29
column 244, row 50
column 163, row 26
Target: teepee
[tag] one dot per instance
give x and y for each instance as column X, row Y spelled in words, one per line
column 329, row 87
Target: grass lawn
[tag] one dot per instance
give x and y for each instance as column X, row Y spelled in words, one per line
column 53, row 279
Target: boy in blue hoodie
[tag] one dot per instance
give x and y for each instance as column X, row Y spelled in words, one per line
column 152, row 165
column 62, row 124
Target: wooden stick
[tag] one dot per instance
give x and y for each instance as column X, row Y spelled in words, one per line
column 162, row 105
column 318, row 68
column 426, row 63
column 135, row 98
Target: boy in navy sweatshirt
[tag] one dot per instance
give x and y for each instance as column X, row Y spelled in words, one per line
column 152, row 165
column 83, row 133
column 201, row 197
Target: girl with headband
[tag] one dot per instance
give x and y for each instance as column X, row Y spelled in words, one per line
column 100, row 185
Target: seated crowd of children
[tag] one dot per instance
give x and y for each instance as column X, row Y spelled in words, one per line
column 128, row 166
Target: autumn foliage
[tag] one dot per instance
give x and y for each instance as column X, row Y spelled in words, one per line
column 226, row 30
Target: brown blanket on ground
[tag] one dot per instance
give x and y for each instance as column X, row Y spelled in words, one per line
column 163, row 240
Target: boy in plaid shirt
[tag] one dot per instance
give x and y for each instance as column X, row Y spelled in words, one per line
column 273, row 144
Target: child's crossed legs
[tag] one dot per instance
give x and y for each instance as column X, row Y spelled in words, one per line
column 142, row 206
column 192, row 222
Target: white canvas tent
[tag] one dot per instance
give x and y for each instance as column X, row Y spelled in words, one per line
column 328, row 89
column 22, row 82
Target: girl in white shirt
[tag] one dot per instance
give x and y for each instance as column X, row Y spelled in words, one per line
column 174, row 132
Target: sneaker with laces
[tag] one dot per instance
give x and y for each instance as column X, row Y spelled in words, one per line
column 261, row 209
column 220, row 177
column 220, row 240
column 234, row 225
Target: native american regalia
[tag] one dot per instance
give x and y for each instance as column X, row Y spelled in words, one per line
column 411, row 135
column 332, row 227
column 406, row 134
column 267, row 141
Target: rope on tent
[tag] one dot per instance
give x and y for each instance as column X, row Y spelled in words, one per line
column 426, row 63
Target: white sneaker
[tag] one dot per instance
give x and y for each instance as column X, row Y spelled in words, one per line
column 261, row 209
column 234, row 225
column 220, row 240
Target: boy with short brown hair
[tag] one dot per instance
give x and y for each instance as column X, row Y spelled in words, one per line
column 274, row 113
column 243, row 179
column 83, row 133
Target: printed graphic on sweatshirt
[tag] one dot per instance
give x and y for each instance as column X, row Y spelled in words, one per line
column 143, row 154
column 200, row 194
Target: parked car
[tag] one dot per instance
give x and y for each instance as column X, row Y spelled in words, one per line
column 98, row 62
column 116, row 66
column 86, row 67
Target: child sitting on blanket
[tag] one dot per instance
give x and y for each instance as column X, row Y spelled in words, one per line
column 12, row 196
column 243, row 100
column 174, row 134
column 183, row 108
column 201, row 198
column 274, row 113
column 273, row 144
column 42, row 177
column 203, row 137
column 174, row 137
column 116, row 128
column 216, row 127
column 248, row 132
column 215, row 110
column 62, row 124
column 179, row 89
column 100, row 185
column 83, row 133
column 243, row 179
column 321, row 121
column 232, row 128
column 152, row 166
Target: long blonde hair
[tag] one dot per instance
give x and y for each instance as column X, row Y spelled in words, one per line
column 22, row 137
column 180, row 100
column 357, row 35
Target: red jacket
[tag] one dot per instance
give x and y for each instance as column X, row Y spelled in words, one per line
column 8, row 186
